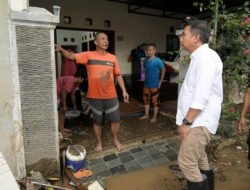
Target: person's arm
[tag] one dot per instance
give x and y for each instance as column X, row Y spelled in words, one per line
column 63, row 99
column 65, row 53
column 122, row 86
column 245, row 110
column 73, row 99
column 163, row 71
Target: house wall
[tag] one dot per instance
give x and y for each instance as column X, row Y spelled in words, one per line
column 133, row 28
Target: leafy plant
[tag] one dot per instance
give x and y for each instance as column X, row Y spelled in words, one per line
column 229, row 29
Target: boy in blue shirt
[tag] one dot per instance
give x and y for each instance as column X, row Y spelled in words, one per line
column 154, row 68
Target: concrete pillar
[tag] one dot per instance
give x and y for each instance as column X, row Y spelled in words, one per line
column 11, row 129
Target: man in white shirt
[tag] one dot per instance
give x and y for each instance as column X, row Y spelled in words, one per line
column 199, row 105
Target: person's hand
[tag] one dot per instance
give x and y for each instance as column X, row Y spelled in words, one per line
column 183, row 130
column 125, row 97
column 58, row 48
column 242, row 125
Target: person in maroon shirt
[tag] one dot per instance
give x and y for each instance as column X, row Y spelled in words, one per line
column 68, row 67
column 66, row 85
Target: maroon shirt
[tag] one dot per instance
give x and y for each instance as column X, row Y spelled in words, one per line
column 68, row 67
column 65, row 83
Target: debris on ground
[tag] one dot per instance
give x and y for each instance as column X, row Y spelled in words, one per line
column 95, row 186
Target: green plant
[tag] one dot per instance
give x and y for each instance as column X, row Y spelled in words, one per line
column 229, row 29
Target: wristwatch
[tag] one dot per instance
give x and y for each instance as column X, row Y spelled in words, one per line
column 186, row 122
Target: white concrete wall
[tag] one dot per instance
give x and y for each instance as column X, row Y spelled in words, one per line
column 79, row 37
column 135, row 29
column 11, row 134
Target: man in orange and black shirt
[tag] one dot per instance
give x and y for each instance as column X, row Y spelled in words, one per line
column 101, row 68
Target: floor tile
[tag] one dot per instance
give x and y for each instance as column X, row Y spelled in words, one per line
column 126, row 159
column 113, row 163
column 118, row 170
column 135, row 150
column 110, row 157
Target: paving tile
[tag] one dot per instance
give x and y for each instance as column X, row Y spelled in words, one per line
column 157, row 156
column 167, row 146
column 152, row 151
column 102, row 174
column 144, row 156
column 170, row 152
column 160, row 143
column 98, row 168
column 126, row 159
column 118, row 170
column 148, row 146
column 132, row 165
column 162, row 148
column 110, row 157
column 173, row 157
column 144, row 159
column 139, row 155
column 161, row 161
column 87, row 180
column 134, row 150
column 95, row 161
column 148, row 164
column 124, row 154
column 113, row 163
column 175, row 148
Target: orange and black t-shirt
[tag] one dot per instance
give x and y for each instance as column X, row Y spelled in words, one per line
column 101, row 69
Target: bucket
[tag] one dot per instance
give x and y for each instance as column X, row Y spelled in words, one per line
column 72, row 118
column 75, row 155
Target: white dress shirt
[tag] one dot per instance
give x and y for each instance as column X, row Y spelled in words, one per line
column 202, row 89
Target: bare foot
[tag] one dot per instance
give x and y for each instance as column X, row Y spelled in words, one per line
column 98, row 147
column 153, row 120
column 144, row 117
column 118, row 145
column 66, row 135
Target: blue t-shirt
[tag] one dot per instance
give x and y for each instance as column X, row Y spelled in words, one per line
column 152, row 70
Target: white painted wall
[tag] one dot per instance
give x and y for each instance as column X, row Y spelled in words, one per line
column 79, row 37
column 19, row 5
column 11, row 134
column 135, row 29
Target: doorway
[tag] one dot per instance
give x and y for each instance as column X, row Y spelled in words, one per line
column 79, row 40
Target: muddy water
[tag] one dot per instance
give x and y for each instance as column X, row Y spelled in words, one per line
column 231, row 166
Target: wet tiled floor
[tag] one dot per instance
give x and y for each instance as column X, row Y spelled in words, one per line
column 132, row 129
column 147, row 153
column 136, row 158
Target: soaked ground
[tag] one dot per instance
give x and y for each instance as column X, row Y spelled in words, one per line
column 149, row 149
column 231, row 173
column 131, row 129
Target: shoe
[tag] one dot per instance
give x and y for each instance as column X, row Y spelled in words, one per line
column 210, row 178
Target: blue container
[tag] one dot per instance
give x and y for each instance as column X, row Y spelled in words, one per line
column 75, row 165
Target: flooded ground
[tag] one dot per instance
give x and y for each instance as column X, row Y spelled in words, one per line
column 231, row 173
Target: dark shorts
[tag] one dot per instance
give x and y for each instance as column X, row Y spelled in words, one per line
column 109, row 107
